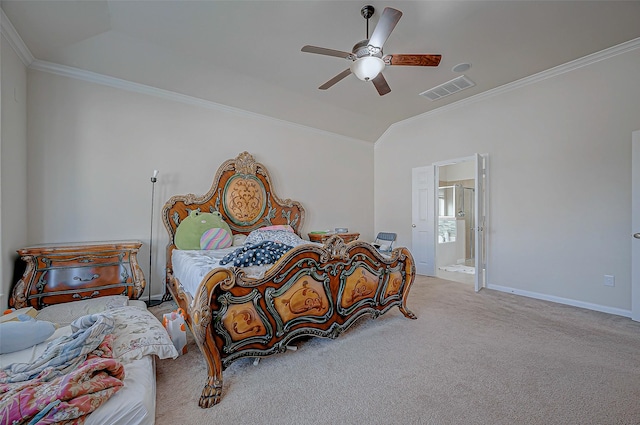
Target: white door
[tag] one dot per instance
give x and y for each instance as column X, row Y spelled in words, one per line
column 635, row 226
column 423, row 215
column 480, row 214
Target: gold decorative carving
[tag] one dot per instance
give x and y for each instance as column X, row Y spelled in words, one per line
column 245, row 164
column 139, row 281
column 19, row 295
column 395, row 283
column 201, row 315
column 361, row 284
column 244, row 199
column 242, row 321
column 305, row 297
column 335, row 249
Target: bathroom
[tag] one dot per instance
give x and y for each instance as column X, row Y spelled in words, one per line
column 456, row 222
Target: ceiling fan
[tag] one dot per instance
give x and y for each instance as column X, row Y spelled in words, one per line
column 367, row 60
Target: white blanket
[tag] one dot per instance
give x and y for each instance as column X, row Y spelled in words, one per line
column 65, row 353
column 191, row 266
column 134, row 404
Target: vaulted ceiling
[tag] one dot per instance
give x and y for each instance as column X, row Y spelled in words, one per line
column 246, row 54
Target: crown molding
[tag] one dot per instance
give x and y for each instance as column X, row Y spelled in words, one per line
column 14, row 39
column 532, row 79
column 21, row 49
column 118, row 83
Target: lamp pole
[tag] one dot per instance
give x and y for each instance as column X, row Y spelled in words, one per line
column 154, row 179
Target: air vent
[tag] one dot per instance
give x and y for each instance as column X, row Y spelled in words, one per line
column 448, row 88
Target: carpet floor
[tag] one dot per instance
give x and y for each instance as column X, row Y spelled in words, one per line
column 469, row 358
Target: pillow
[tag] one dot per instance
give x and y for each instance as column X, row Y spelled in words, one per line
column 65, row 313
column 284, row 227
column 192, row 227
column 280, row 236
column 215, row 238
column 238, row 240
column 18, row 335
column 138, row 333
column 138, row 304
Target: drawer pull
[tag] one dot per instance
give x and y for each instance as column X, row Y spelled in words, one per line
column 93, row 294
column 94, row 276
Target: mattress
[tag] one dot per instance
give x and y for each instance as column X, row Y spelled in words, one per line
column 133, row 404
column 191, row 266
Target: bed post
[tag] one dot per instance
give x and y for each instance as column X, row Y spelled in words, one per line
column 410, row 274
column 201, row 319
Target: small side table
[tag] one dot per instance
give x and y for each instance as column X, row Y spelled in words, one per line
column 322, row 237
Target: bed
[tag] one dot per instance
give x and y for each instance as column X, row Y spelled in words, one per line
column 118, row 377
column 255, row 310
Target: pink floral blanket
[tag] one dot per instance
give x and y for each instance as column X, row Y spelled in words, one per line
column 65, row 399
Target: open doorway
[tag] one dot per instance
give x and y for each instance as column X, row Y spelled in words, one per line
column 456, row 222
column 434, row 194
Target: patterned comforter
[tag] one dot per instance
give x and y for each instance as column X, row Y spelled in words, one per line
column 90, row 377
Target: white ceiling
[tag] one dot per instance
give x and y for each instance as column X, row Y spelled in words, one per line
column 246, row 54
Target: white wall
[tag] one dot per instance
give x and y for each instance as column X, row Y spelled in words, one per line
column 13, row 164
column 560, row 179
column 92, row 150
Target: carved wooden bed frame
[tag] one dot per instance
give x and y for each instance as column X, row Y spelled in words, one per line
column 313, row 290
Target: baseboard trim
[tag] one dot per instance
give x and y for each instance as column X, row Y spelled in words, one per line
column 560, row 300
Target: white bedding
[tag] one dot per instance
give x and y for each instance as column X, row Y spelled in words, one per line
column 191, row 266
column 133, row 404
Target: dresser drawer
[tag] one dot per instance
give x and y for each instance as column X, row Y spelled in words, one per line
column 104, row 258
column 70, row 272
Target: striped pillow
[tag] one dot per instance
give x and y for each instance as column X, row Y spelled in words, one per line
column 215, row 238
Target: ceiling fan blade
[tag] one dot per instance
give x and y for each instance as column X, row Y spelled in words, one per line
column 381, row 84
column 386, row 24
column 327, row 52
column 413, row 60
column 335, row 79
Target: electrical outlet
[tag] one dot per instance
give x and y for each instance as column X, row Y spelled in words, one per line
column 609, row 280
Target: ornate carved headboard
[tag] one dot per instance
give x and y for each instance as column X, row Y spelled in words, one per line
column 242, row 193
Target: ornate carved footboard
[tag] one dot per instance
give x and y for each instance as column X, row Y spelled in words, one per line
column 313, row 290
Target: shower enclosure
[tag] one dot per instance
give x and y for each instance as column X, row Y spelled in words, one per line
column 466, row 210
column 456, row 225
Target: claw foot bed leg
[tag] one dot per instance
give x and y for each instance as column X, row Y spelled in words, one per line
column 407, row 313
column 211, row 393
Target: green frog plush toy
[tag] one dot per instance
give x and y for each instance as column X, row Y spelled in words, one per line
column 203, row 231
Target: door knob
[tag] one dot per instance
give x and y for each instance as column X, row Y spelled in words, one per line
column 636, row 235
column 413, row 225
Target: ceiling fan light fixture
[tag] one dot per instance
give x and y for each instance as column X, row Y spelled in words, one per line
column 367, row 68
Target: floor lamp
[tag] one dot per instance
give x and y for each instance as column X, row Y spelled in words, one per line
column 154, row 179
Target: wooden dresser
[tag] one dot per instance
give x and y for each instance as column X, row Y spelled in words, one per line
column 76, row 271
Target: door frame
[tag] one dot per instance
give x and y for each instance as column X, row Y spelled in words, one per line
column 480, row 186
column 635, row 225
